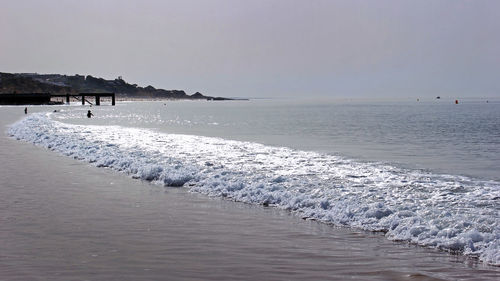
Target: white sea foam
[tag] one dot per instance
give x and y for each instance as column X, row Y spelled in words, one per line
column 453, row 213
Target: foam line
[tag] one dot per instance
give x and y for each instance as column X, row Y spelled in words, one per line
column 450, row 212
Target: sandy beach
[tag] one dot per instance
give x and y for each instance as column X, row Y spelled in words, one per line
column 61, row 219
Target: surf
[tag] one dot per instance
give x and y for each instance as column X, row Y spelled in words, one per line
column 450, row 212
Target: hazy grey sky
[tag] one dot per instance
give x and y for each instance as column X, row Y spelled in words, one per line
column 263, row 48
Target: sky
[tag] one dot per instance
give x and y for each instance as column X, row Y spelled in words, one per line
column 263, row 48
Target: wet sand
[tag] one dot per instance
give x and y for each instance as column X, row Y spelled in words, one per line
column 61, row 219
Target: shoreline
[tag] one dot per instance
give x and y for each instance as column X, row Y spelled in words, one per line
column 141, row 231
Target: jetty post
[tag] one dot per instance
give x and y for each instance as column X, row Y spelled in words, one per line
column 97, row 97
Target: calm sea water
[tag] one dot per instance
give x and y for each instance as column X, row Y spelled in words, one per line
column 422, row 172
column 440, row 136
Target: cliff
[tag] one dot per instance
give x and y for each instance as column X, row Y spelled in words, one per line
column 60, row 84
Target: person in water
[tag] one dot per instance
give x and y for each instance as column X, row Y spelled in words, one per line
column 89, row 114
column 25, row 110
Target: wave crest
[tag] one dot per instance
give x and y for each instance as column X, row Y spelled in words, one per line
column 453, row 213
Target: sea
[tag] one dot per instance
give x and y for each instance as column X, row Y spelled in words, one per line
column 424, row 172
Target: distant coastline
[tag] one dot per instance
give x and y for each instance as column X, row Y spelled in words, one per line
column 43, row 84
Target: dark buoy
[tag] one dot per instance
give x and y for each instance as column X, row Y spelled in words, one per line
column 456, row 101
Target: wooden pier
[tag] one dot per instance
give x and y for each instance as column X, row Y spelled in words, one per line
column 45, row 98
column 25, row 98
column 82, row 97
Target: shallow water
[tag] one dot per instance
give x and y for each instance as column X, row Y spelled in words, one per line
column 96, row 224
column 440, row 136
column 452, row 212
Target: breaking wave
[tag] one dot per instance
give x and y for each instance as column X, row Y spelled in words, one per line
column 453, row 213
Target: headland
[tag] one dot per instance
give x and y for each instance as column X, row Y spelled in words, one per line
column 33, row 88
